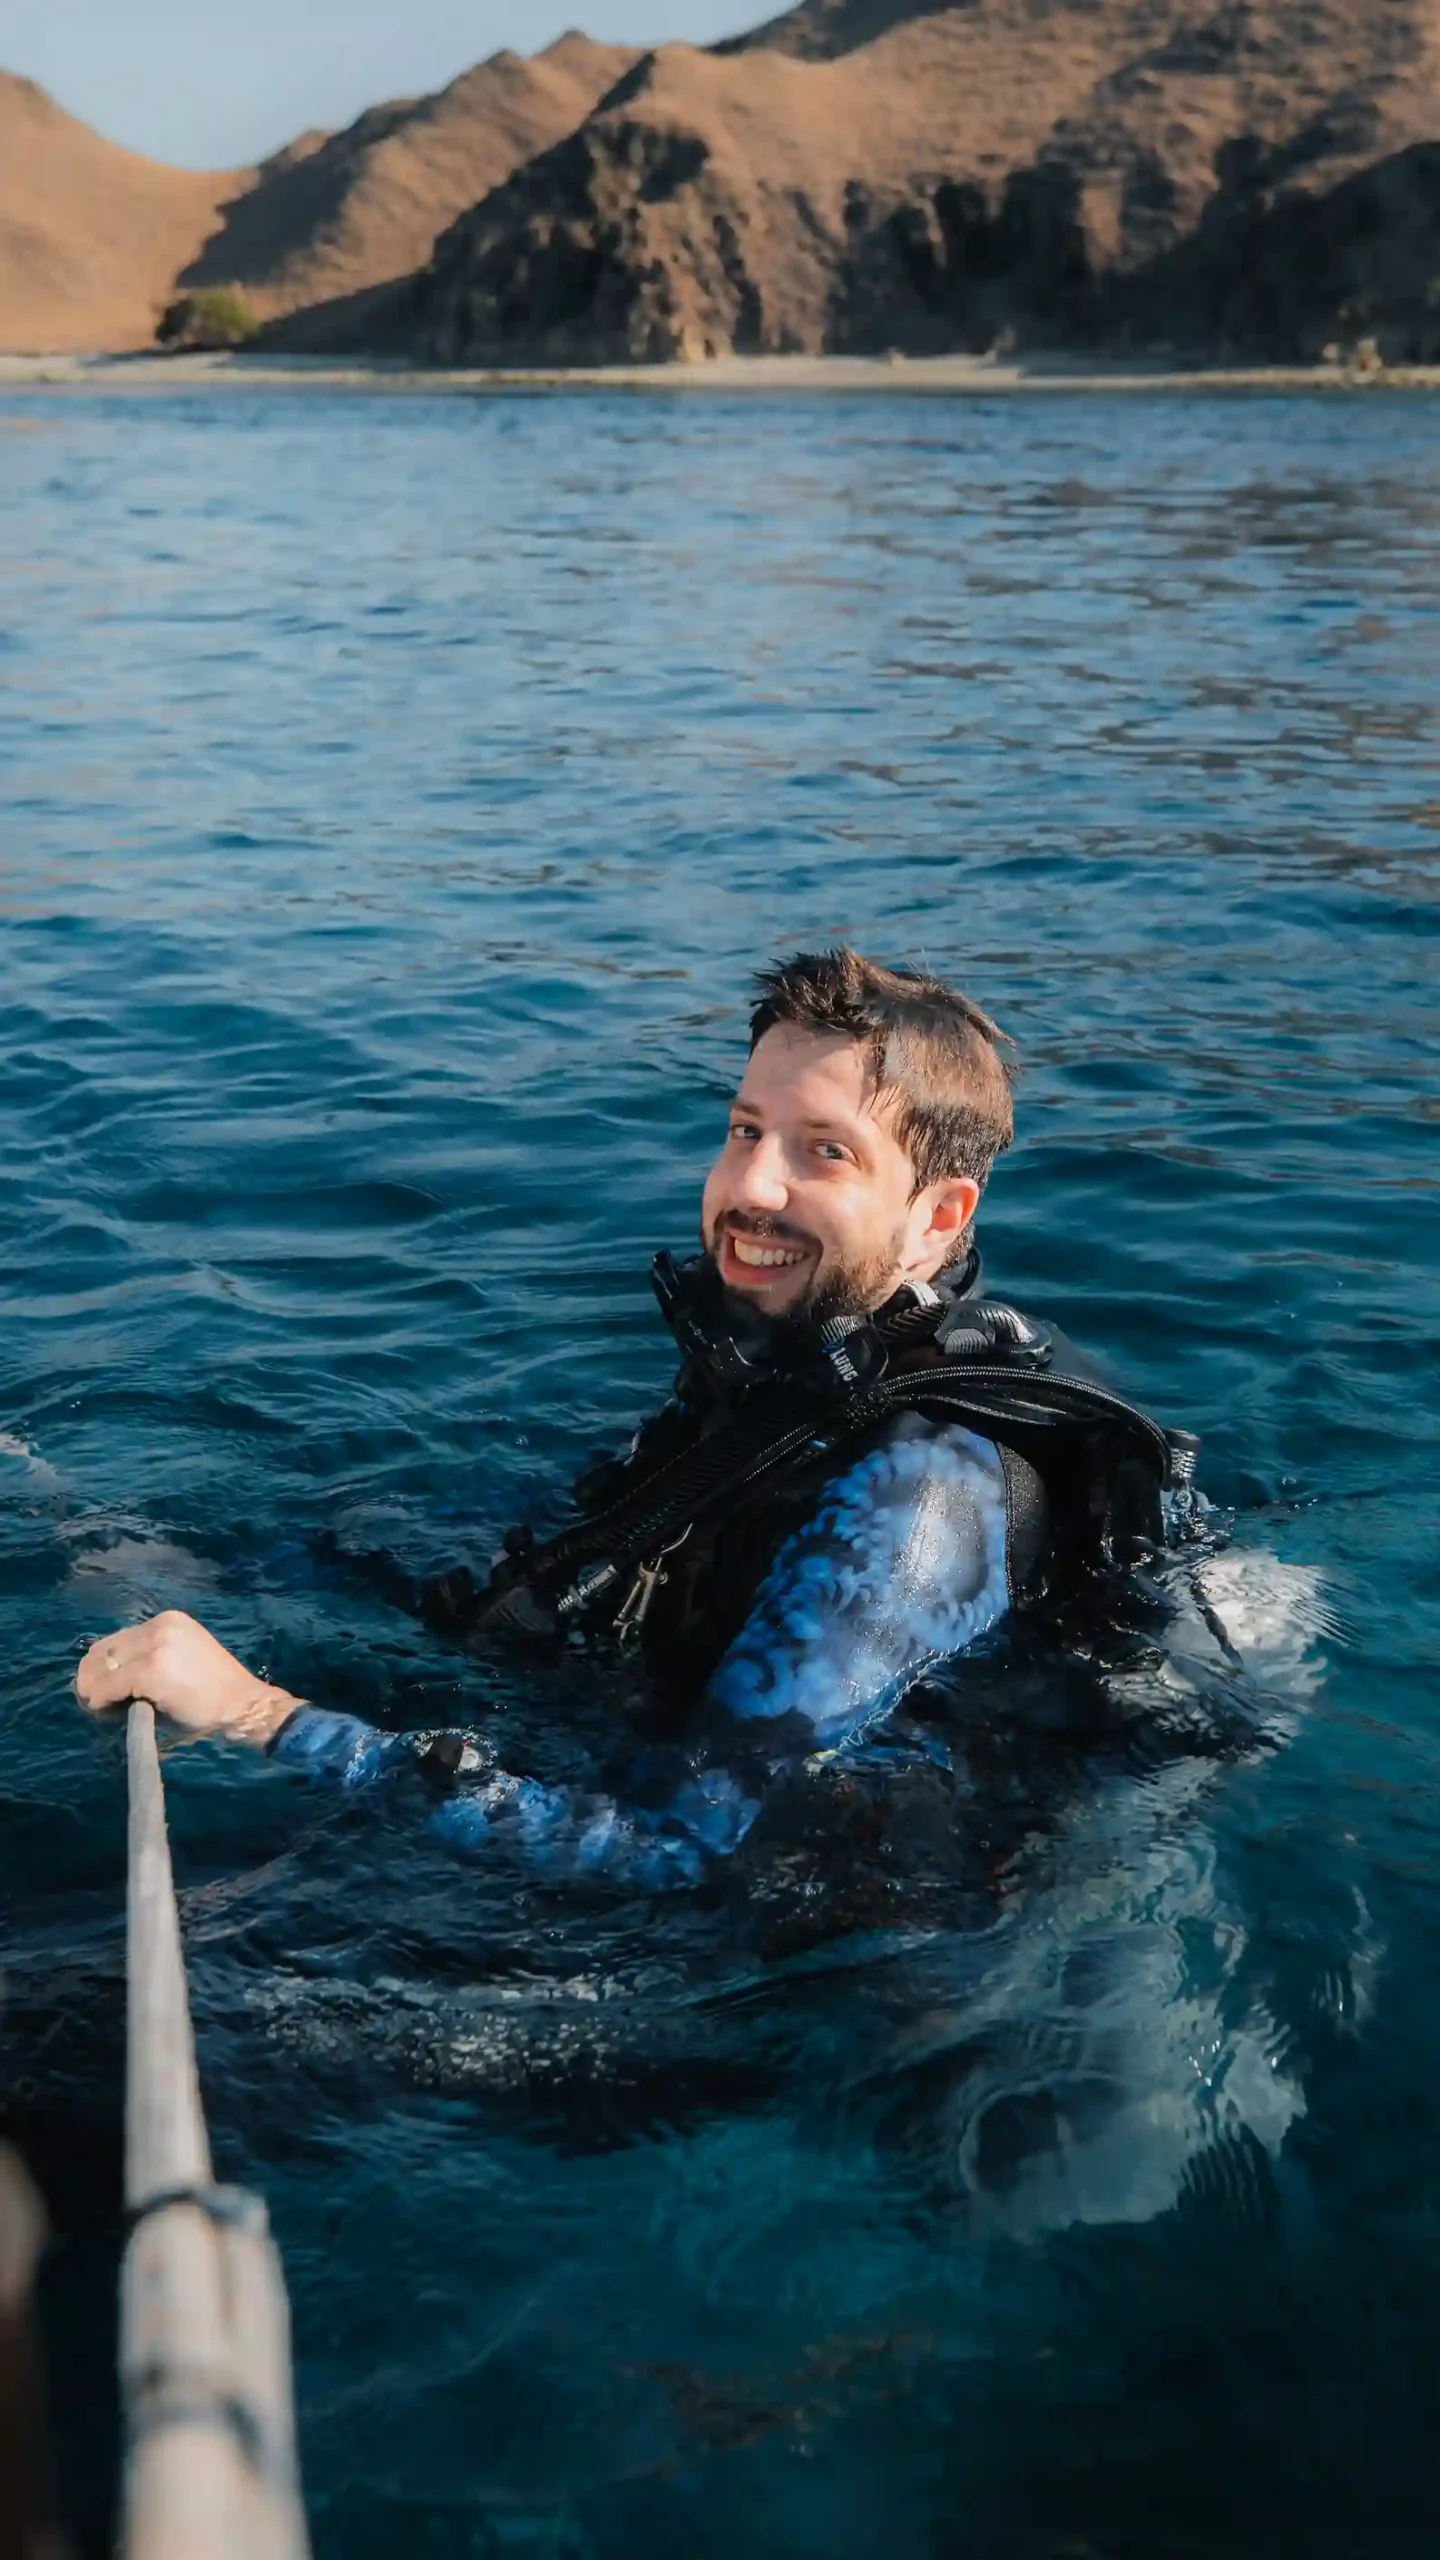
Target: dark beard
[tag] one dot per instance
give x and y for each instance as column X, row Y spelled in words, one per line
column 846, row 1289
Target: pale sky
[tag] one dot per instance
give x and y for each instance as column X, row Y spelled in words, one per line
column 213, row 84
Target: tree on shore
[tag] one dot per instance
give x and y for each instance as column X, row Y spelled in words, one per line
column 215, row 316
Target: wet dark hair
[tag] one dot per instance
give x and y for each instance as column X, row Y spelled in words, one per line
column 923, row 1041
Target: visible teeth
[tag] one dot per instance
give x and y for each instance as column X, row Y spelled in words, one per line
column 764, row 1257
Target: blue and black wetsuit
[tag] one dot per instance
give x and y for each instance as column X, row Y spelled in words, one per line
column 902, row 1563
column 797, row 1602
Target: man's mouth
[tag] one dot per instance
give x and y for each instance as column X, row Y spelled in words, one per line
column 765, row 1257
column 757, row 1262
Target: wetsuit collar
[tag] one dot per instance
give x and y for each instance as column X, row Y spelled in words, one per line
column 731, row 1349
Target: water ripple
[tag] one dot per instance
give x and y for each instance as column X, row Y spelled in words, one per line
column 398, row 793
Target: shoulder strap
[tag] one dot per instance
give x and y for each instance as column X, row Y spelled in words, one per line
column 579, row 1565
column 992, row 1394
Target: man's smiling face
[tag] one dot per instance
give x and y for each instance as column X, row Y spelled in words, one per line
column 811, row 1206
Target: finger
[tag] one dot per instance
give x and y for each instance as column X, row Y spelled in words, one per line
column 99, row 1682
column 106, row 1677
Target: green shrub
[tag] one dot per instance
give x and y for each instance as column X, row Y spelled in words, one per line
column 217, row 316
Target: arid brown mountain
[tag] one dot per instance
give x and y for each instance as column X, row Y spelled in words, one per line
column 90, row 236
column 93, row 241
column 867, row 174
column 1256, row 178
column 341, row 214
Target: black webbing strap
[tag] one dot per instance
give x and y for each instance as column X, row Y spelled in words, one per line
column 166, row 2393
column 699, row 1481
column 229, row 2208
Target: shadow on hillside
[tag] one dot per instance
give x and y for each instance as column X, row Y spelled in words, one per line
column 295, row 200
column 825, row 29
column 376, row 321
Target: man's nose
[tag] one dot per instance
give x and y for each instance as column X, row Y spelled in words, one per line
column 763, row 1184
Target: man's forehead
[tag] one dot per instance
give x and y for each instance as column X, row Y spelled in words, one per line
column 815, row 1071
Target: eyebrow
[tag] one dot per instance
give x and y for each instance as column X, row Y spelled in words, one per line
column 851, row 1132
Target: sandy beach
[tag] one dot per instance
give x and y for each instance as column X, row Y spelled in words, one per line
column 976, row 376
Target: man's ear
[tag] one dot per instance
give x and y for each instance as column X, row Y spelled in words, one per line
column 946, row 1210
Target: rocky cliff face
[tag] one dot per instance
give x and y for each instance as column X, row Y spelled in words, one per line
column 869, row 174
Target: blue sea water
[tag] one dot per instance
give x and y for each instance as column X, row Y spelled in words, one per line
column 395, row 793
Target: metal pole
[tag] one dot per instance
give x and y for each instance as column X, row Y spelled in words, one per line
column 204, row 2323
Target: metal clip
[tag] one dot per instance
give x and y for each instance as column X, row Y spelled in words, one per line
column 634, row 1609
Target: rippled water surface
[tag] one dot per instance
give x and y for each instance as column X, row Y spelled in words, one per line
column 394, row 795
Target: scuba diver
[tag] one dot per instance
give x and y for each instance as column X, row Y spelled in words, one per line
column 866, row 1462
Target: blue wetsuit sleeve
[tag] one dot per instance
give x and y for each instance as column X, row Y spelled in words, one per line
column 338, row 1747
column 559, row 1830
column 903, row 1563
column 565, row 1832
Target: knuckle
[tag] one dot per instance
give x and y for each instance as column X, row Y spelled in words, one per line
column 166, row 1637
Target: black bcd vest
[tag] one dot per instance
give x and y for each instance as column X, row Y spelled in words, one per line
column 670, row 1541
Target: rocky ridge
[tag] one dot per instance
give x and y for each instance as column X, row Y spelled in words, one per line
column 1252, row 178
column 1247, row 179
column 339, row 216
column 94, row 240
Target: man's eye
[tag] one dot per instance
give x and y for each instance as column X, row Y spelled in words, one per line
column 743, row 1129
column 832, row 1151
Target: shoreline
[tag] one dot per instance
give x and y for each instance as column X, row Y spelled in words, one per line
column 952, row 375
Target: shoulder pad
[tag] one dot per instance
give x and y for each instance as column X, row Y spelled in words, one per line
column 991, row 1331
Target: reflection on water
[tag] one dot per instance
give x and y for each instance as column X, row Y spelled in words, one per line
column 1030, row 2146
